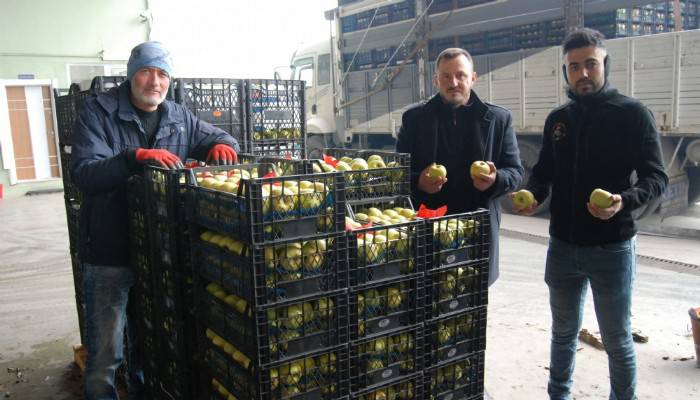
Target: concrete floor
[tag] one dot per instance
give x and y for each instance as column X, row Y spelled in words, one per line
column 38, row 323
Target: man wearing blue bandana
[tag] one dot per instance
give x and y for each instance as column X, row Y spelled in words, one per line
column 116, row 133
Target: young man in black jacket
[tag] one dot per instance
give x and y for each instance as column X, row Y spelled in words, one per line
column 596, row 140
column 455, row 128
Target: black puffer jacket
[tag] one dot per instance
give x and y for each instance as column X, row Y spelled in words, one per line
column 598, row 141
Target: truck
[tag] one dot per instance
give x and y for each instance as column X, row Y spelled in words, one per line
column 359, row 81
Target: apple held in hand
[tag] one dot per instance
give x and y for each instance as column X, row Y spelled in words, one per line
column 437, row 171
column 601, row 198
column 479, row 167
column 523, row 199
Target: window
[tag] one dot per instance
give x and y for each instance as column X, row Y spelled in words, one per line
column 621, row 27
column 306, row 73
column 324, row 69
column 304, row 70
column 622, row 13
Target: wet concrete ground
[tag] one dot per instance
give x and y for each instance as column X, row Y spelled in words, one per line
column 38, row 322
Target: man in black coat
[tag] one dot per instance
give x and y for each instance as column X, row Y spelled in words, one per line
column 596, row 140
column 454, row 129
column 115, row 134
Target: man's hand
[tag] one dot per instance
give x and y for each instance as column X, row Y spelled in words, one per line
column 483, row 181
column 159, row 158
column 525, row 211
column 222, row 154
column 430, row 184
column 606, row 213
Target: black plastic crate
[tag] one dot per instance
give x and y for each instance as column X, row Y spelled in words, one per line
column 104, row 83
column 218, row 101
column 457, row 287
column 278, row 332
column 458, row 238
column 377, row 211
column 70, row 190
column 455, row 336
column 274, row 272
column 67, row 109
column 385, row 252
column 408, row 388
column 266, row 209
column 384, row 359
column 289, row 166
column 386, row 307
column 460, row 379
column 388, row 177
column 322, row 375
column 68, row 106
column 276, row 118
column 73, row 221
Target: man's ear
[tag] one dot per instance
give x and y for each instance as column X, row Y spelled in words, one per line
column 563, row 69
column 606, row 65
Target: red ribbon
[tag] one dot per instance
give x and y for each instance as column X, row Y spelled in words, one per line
column 425, row 212
column 330, row 160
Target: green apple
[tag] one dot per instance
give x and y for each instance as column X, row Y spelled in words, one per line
column 375, row 157
column 601, row 198
column 346, row 159
column 479, row 167
column 376, row 163
column 359, row 164
column 374, row 211
column 343, row 166
column 437, row 171
column 523, row 199
column 393, row 297
column 445, row 333
column 290, row 257
column 314, row 254
column 361, row 217
column 326, row 363
column 295, row 317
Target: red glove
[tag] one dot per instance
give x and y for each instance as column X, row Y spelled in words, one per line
column 158, row 157
column 222, row 154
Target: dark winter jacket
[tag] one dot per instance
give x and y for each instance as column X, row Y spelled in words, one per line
column 105, row 137
column 488, row 136
column 591, row 142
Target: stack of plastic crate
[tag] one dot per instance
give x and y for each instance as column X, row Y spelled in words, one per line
column 219, row 101
column 387, row 297
column 276, row 124
column 456, row 298
column 165, row 283
column 67, row 109
column 270, row 261
column 387, row 259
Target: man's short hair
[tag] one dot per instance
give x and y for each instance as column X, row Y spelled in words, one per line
column 583, row 37
column 453, row 52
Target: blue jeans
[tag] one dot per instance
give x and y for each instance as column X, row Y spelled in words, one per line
column 610, row 270
column 107, row 291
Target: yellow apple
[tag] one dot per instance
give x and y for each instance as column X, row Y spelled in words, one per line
column 601, row 198
column 523, row 199
column 437, row 171
column 479, row 167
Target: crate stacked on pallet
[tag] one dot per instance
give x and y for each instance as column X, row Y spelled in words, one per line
column 276, row 124
column 456, row 297
column 67, row 109
column 387, row 259
column 270, row 256
column 219, row 101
